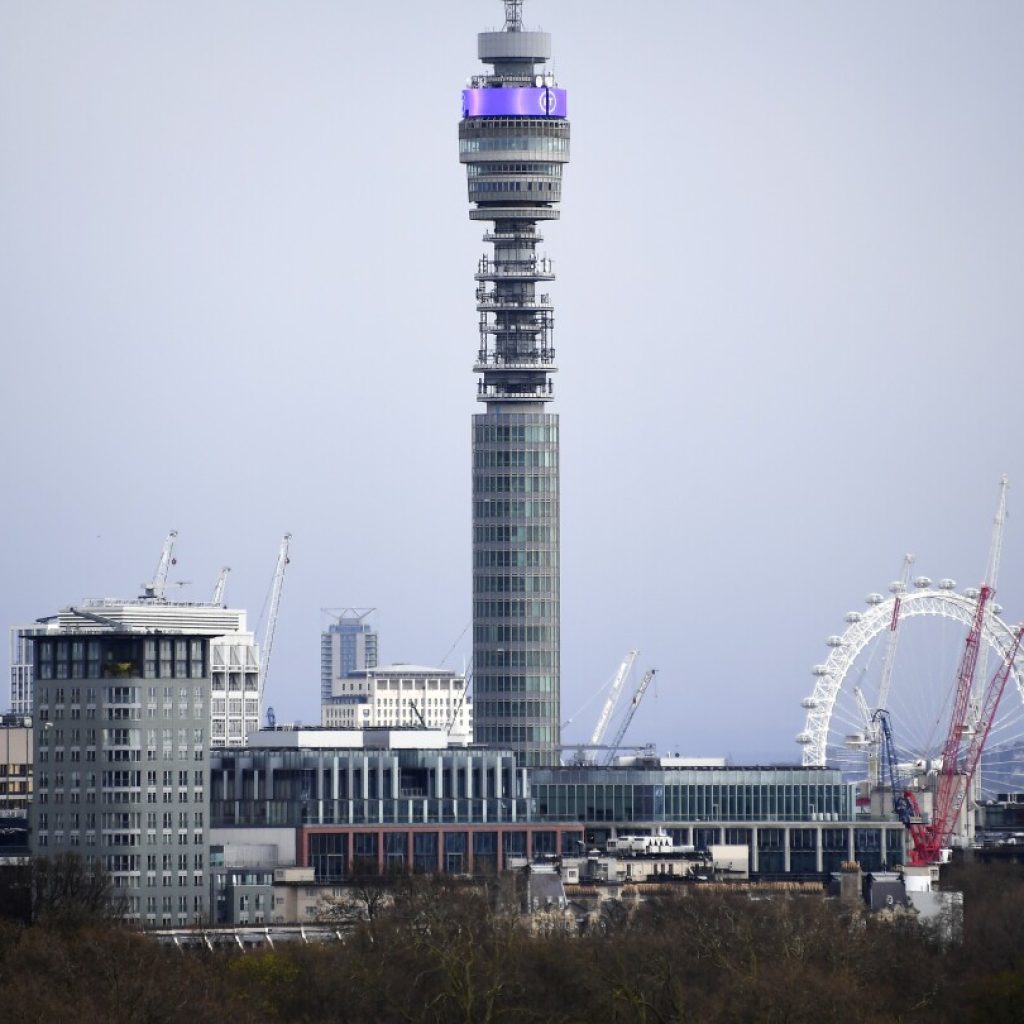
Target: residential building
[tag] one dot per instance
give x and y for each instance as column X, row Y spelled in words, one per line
column 121, row 770
column 234, row 707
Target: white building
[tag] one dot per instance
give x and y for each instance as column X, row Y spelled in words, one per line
column 234, row 654
column 21, row 663
column 398, row 696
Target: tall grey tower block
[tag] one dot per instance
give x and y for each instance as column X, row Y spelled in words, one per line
column 514, row 142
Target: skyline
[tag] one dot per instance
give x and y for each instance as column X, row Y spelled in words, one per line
column 787, row 313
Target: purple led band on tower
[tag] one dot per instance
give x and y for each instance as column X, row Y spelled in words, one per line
column 542, row 102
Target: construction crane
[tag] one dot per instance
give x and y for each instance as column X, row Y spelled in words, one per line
column 898, row 588
column 638, row 695
column 955, row 773
column 275, row 604
column 454, row 717
column 222, row 582
column 995, row 555
column 613, row 698
column 904, row 803
column 155, row 589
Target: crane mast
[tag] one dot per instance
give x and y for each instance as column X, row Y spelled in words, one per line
column 275, row 603
column 156, row 588
column 222, row 582
column 899, row 588
column 928, row 839
column 995, row 556
column 613, row 698
column 638, row 696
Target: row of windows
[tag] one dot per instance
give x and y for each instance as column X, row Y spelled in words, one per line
column 496, row 508
column 515, row 609
column 512, row 584
column 511, row 433
column 533, row 458
column 516, row 659
column 495, row 534
column 513, row 734
column 478, row 170
column 646, row 802
column 235, row 681
column 490, row 683
column 505, row 483
column 487, row 709
column 556, row 147
column 511, row 634
column 514, row 559
column 512, row 186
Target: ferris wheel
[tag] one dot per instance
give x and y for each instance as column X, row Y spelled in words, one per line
column 865, row 672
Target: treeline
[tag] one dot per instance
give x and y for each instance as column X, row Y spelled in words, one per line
column 440, row 951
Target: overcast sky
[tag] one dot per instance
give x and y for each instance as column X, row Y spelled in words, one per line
column 236, row 299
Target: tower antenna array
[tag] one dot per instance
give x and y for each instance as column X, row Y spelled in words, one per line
column 513, row 15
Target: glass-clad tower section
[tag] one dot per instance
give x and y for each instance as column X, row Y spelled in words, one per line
column 514, row 142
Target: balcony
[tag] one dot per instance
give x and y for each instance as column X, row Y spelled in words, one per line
column 542, row 361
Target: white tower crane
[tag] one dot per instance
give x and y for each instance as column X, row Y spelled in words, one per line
column 613, row 698
column 222, row 582
column 159, row 584
column 995, row 555
column 638, row 696
column 275, row 603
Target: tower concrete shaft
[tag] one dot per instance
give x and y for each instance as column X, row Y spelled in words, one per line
column 514, row 142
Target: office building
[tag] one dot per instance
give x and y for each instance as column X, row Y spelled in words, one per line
column 514, row 143
column 349, row 644
column 401, row 697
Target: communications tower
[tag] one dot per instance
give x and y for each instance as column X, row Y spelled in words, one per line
column 514, row 142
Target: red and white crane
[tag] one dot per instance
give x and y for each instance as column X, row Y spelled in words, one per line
column 960, row 763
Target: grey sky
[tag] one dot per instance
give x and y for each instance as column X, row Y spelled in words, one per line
column 236, row 299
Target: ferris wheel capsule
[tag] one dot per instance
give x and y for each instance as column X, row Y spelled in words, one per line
column 995, row 608
column 853, row 617
column 922, row 582
column 947, row 584
column 804, row 737
column 972, row 593
column 820, row 670
column 809, row 702
column 874, row 599
column 835, row 641
column 897, row 587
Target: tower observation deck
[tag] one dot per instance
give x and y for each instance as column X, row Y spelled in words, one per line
column 514, row 142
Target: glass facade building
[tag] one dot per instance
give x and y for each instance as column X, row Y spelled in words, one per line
column 514, row 142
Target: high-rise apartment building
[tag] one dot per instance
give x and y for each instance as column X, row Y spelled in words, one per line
column 234, row 654
column 121, row 770
column 514, row 143
column 349, row 644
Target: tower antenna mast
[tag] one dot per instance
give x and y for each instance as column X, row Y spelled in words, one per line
column 513, row 15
